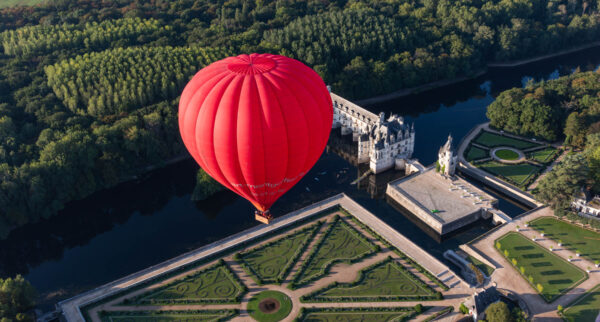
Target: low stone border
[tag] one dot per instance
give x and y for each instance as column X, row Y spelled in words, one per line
column 517, row 151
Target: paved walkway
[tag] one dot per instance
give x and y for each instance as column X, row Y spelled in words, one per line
column 341, row 272
column 508, row 278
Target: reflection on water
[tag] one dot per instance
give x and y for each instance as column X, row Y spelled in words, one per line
column 137, row 224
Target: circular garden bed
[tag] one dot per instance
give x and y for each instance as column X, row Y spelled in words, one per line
column 269, row 306
column 507, row 154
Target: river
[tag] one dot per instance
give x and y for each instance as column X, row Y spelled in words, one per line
column 119, row 231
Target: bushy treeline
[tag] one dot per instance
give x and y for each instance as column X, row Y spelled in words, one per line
column 40, row 39
column 122, row 79
column 17, row 300
column 69, row 130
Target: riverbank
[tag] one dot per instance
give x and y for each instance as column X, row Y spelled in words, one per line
column 446, row 82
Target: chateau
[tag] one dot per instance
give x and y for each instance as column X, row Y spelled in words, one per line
column 383, row 143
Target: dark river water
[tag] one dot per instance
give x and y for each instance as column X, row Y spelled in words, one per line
column 119, row 231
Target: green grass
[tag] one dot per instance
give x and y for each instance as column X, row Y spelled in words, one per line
column 506, row 154
column 271, row 262
column 487, row 270
column 586, row 308
column 215, row 284
column 544, row 155
column 518, row 174
column 356, row 315
column 475, row 153
column 573, row 237
column 340, row 243
column 555, row 274
column 13, row 3
column 160, row 316
column 493, row 140
column 386, row 279
column 284, row 309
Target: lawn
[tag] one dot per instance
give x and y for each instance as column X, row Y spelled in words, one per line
column 12, row 3
column 586, row 308
column 493, row 140
column 340, row 243
column 284, row 309
column 541, row 266
column 573, row 237
column 506, row 154
column 544, row 155
column 386, row 280
column 271, row 262
column 476, row 153
column 335, row 315
column 518, row 174
column 160, row 316
column 215, row 284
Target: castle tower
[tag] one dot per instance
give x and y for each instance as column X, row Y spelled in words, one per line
column 446, row 158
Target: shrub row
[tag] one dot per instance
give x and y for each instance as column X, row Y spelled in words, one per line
column 440, row 313
column 297, row 282
column 304, row 312
column 227, row 314
column 418, row 267
column 314, row 296
column 284, row 272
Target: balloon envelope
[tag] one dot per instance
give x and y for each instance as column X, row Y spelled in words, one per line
column 256, row 123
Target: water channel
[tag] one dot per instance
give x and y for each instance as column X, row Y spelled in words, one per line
column 119, row 231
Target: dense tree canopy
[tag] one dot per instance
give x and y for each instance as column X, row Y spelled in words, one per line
column 17, row 299
column 88, row 89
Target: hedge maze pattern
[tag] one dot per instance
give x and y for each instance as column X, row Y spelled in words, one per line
column 216, row 284
column 271, row 262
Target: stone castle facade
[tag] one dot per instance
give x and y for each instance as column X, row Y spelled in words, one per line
column 382, row 143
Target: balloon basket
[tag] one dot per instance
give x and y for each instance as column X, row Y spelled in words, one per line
column 264, row 217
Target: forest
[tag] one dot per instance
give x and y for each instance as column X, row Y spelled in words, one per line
column 89, row 89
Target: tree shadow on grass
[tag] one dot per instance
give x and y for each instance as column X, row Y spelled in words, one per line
column 563, row 281
column 524, row 247
column 536, row 255
column 541, row 264
column 553, row 272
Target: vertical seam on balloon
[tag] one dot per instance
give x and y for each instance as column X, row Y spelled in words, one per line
column 262, row 133
column 287, row 161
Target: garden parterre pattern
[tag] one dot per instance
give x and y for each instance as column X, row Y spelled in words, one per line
column 386, row 280
column 356, row 316
column 220, row 289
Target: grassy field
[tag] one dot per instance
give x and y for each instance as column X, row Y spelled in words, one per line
column 386, row 279
column 573, row 237
column 492, row 140
column 544, row 155
column 341, row 243
column 212, row 285
column 271, row 262
column 284, row 309
column 475, row 153
column 586, row 308
column 553, row 273
column 357, row 315
column 506, row 154
column 517, row 174
column 13, row 3
column 200, row 316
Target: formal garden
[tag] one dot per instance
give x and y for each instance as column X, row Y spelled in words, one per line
column 547, row 273
column 263, row 278
column 572, row 237
column 586, row 308
column 516, row 161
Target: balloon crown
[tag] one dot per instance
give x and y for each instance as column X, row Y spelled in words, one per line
column 251, row 64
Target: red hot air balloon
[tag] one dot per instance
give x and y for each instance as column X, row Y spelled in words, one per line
column 256, row 123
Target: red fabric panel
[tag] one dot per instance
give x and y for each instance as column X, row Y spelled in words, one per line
column 256, row 123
